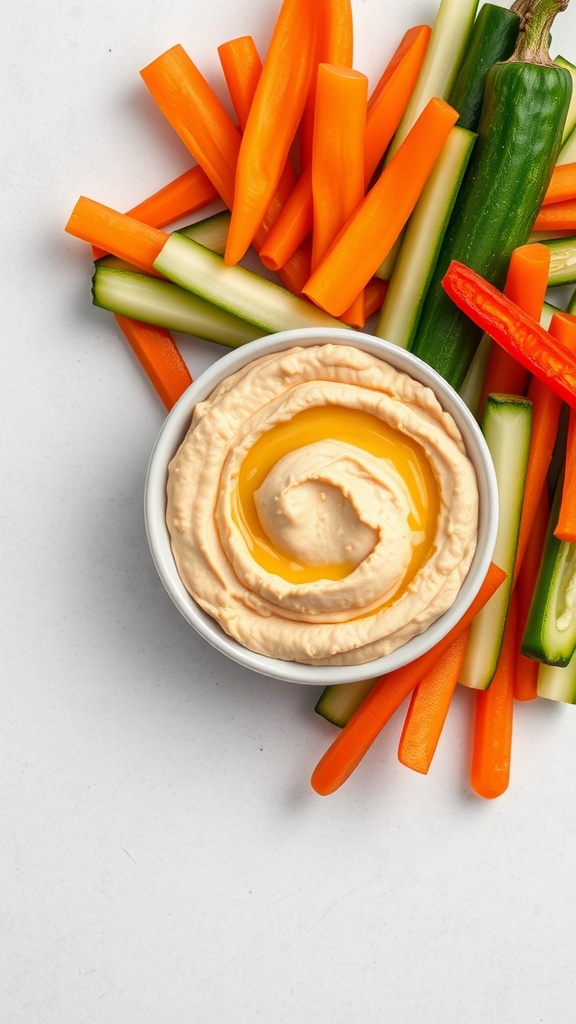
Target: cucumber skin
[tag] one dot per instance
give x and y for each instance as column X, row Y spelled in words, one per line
column 519, row 138
column 493, row 39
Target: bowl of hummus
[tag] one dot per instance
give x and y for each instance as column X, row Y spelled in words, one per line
column 321, row 506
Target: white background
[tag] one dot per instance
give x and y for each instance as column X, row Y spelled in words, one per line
column 163, row 859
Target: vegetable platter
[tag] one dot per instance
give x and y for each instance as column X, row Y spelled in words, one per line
column 434, row 207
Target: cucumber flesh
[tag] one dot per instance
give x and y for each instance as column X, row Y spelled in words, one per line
column 421, row 241
column 570, row 122
column 507, row 425
column 121, row 289
column 550, row 632
column 562, row 260
column 558, row 683
column 211, row 232
column 237, row 290
column 337, row 704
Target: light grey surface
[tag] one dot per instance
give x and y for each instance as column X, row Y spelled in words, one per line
column 162, row 857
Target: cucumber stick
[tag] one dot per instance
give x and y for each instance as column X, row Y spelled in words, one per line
column 570, row 122
column 237, row 290
column 211, row 232
column 507, row 425
column 121, row 289
column 558, row 683
column 421, row 242
column 519, row 136
column 562, row 260
column 338, row 703
column 550, row 632
column 446, row 49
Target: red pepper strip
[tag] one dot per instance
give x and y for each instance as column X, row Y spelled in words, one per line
column 511, row 328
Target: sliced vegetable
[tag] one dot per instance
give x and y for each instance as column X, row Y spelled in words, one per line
column 338, row 162
column 236, row 289
column 272, row 122
column 211, row 232
column 570, row 121
column 519, row 137
column 556, row 217
column 197, row 116
column 562, row 260
column 546, row 408
column 562, row 185
column 516, row 332
column 448, row 44
column 492, row 39
column 188, row 192
column 337, row 704
column 415, row 263
column 385, row 108
column 526, row 285
column 155, row 350
column 117, row 233
column 526, row 669
column 493, row 721
column 123, row 290
column 558, row 683
column 428, row 708
column 333, row 44
column 506, row 426
column 550, row 633
column 371, row 232
column 386, row 696
column 565, row 529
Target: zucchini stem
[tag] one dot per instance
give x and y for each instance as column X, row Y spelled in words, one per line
column 537, row 17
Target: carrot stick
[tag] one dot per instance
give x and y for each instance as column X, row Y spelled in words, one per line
column 272, row 122
column 188, row 192
column 526, row 671
column 492, row 742
column 562, row 185
column 385, row 110
column 117, row 233
column 546, row 406
column 429, row 706
column 526, row 285
column 155, row 349
column 367, row 238
column 338, row 161
column 566, row 525
column 242, row 69
column 333, row 45
column 359, row 733
column 196, row 115
column 556, row 217
column 374, row 294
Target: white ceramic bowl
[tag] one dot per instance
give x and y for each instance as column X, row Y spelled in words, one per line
column 172, row 434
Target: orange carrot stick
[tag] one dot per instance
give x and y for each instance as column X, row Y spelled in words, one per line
column 334, row 39
column 197, row 116
column 367, row 238
column 188, row 192
column 526, row 670
column 492, row 742
column 374, row 295
column 155, row 349
column 557, row 217
column 526, row 285
column 117, row 233
column 428, row 708
column 562, row 185
column 272, row 122
column 566, row 525
column 546, row 406
column 242, row 69
column 338, row 161
column 359, row 733
column 385, row 109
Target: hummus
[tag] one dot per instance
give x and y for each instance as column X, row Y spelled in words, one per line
column 322, row 506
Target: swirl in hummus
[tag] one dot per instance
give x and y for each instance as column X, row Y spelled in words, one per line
column 322, row 506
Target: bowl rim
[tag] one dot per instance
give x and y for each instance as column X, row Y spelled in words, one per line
column 172, row 433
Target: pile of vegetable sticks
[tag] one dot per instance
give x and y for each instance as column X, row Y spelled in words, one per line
column 331, row 227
